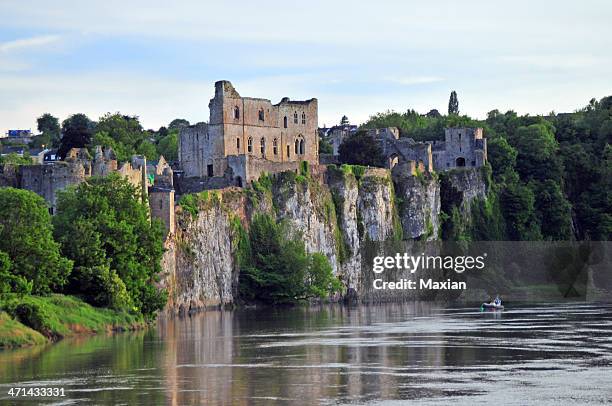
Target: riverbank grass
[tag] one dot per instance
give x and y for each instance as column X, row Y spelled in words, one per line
column 15, row 334
column 55, row 317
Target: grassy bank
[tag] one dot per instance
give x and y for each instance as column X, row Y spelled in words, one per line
column 28, row 320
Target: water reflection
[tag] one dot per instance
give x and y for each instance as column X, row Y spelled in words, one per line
column 336, row 355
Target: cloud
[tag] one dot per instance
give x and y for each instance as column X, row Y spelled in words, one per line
column 414, row 80
column 32, row 42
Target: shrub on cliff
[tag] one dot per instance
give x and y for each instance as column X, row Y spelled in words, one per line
column 34, row 261
column 104, row 227
column 277, row 268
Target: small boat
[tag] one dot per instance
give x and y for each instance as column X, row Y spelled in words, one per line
column 491, row 306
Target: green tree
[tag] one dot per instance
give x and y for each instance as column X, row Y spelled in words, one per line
column 26, row 236
column 14, row 159
column 453, row 104
column 360, row 149
column 177, row 124
column 325, row 147
column 147, row 149
column 277, row 268
column 49, row 127
column 554, row 211
column 125, row 135
column 76, row 133
column 537, row 152
column 502, row 157
column 168, row 146
column 518, row 208
column 117, row 242
column 10, row 282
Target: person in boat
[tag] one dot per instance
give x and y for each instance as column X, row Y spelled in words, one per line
column 497, row 301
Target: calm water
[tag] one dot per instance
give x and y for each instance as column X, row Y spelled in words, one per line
column 381, row 355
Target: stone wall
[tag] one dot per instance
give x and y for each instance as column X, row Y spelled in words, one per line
column 462, row 147
column 47, row 180
column 254, row 127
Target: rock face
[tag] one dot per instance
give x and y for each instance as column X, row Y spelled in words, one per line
column 419, row 206
column 343, row 213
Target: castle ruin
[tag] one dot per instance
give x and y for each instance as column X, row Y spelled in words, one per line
column 462, row 147
column 247, row 136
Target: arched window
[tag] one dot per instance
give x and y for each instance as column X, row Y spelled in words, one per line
column 261, row 115
column 303, row 118
column 301, row 147
column 238, row 144
column 295, row 118
column 262, row 145
column 297, row 147
column 285, row 122
column 236, row 113
column 275, row 146
column 288, row 151
column 250, row 144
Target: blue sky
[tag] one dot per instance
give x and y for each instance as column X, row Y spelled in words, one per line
column 159, row 60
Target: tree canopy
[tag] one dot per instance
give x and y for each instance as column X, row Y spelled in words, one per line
column 360, row 149
column 275, row 267
column 76, row 133
column 117, row 254
column 26, row 239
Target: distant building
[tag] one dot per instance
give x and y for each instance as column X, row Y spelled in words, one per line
column 19, row 133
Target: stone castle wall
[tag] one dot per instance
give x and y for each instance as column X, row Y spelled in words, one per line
column 462, row 147
column 47, row 180
column 253, row 127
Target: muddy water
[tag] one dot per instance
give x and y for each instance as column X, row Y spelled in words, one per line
column 382, row 355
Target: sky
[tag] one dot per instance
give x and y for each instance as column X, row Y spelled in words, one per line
column 159, row 59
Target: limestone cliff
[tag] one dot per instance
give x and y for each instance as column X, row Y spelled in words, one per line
column 339, row 212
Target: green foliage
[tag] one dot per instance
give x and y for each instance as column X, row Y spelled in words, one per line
column 192, row 203
column 554, row 211
column 125, row 136
column 325, row 147
column 9, row 281
column 518, row 208
column 502, row 157
column 117, row 244
column 361, row 149
column 177, row 124
column 537, row 152
column 26, row 236
column 278, row 269
column 49, row 127
column 168, row 146
column 14, row 159
column 453, row 104
column 15, row 334
column 76, row 133
column 421, row 128
column 58, row 316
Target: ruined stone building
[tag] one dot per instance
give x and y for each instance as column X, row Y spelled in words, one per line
column 48, row 179
column 406, row 152
column 247, row 136
column 462, row 147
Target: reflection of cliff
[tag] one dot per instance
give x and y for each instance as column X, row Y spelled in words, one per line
column 338, row 211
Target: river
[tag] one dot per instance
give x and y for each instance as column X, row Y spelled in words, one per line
column 549, row 354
